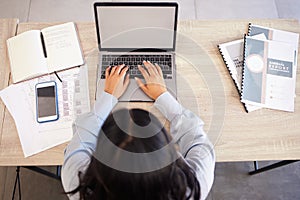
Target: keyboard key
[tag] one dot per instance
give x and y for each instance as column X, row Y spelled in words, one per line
column 132, row 61
column 139, row 76
column 104, row 63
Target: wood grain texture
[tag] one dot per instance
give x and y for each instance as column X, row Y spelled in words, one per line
column 205, row 87
column 8, row 28
column 261, row 135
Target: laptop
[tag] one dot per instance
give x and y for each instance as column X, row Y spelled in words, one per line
column 129, row 33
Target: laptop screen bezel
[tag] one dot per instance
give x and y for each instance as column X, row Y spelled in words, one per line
column 123, row 4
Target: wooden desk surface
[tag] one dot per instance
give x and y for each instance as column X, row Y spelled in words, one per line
column 8, row 28
column 238, row 136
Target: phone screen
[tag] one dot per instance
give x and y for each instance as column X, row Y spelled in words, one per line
column 46, row 101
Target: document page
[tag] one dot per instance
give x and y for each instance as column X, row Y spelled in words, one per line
column 26, row 56
column 62, row 46
column 233, row 55
column 269, row 74
column 20, row 101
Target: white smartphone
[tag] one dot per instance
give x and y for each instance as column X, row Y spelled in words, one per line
column 46, row 102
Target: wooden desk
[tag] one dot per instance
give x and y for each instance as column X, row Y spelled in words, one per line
column 8, row 28
column 261, row 135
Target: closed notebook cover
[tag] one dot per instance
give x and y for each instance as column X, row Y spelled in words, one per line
column 276, row 35
column 269, row 74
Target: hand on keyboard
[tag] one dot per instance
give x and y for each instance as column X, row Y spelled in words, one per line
column 155, row 84
column 116, row 83
column 133, row 60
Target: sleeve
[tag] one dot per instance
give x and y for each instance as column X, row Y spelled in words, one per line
column 187, row 131
column 86, row 129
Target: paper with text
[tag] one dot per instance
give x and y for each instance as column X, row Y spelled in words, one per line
column 34, row 53
column 269, row 74
column 73, row 99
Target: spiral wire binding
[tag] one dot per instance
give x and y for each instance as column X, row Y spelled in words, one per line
column 235, row 83
column 244, row 65
column 249, row 29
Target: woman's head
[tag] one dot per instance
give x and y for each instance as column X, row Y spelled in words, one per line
column 121, row 167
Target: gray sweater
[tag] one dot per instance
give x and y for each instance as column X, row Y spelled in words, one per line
column 186, row 129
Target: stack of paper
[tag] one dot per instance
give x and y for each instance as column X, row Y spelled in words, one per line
column 39, row 52
column 73, row 99
column 263, row 66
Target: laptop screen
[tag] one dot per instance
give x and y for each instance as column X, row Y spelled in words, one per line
column 136, row 26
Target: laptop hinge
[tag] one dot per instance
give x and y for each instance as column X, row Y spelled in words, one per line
column 149, row 50
column 134, row 50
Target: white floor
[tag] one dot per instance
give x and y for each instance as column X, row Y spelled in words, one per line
column 82, row 10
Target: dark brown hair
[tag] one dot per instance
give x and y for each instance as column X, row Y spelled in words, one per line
column 175, row 181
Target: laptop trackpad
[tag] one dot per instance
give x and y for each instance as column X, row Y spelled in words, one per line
column 134, row 93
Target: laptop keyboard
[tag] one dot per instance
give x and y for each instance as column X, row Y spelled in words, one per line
column 132, row 61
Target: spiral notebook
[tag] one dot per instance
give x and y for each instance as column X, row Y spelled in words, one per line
column 270, row 65
column 233, row 56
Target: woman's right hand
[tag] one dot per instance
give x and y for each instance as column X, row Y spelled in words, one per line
column 116, row 81
column 155, row 84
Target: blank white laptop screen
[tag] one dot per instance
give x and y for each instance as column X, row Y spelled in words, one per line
column 136, row 27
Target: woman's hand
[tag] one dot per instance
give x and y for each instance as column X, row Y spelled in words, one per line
column 155, row 84
column 116, row 83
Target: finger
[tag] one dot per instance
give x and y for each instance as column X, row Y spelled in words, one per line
column 107, row 72
column 141, row 84
column 155, row 69
column 158, row 68
column 124, row 70
column 143, row 71
column 150, row 68
column 119, row 69
column 113, row 69
column 123, row 74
